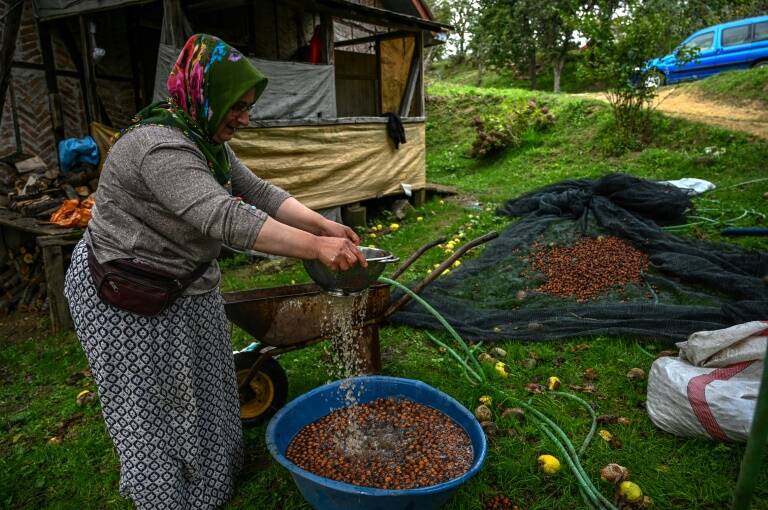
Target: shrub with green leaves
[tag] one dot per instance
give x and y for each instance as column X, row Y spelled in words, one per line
column 505, row 130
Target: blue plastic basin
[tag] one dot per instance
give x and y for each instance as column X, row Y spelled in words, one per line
column 326, row 494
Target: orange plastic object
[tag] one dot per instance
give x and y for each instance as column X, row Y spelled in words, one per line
column 73, row 213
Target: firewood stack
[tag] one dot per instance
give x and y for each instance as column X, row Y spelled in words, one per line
column 22, row 281
column 30, row 188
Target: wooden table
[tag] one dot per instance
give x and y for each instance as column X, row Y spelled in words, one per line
column 51, row 239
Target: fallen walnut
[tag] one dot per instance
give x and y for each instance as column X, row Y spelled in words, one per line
column 614, row 473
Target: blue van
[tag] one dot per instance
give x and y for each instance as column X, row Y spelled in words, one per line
column 734, row 45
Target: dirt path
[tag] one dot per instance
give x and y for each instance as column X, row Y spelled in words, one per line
column 681, row 102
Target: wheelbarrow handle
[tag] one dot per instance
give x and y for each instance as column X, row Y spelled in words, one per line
column 413, row 258
column 439, row 270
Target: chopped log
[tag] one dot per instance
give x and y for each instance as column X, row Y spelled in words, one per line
column 28, row 258
column 52, row 174
column 7, row 274
column 35, row 184
column 33, row 164
column 83, row 191
column 14, row 294
column 12, row 281
column 69, row 192
column 26, row 298
column 38, row 302
column 42, row 204
column 45, row 214
column 8, row 175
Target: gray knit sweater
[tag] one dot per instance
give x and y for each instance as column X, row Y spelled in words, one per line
column 158, row 201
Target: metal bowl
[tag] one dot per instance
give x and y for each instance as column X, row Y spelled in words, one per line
column 354, row 280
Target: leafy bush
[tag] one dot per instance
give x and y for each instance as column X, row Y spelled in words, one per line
column 505, row 130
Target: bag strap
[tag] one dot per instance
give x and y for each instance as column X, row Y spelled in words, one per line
column 148, row 271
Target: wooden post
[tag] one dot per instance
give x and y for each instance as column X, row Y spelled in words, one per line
column 133, row 49
column 413, row 78
column 87, row 72
column 53, row 261
column 7, row 48
column 54, row 99
column 377, row 83
column 328, row 36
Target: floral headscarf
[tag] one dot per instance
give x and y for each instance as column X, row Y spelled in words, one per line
column 209, row 76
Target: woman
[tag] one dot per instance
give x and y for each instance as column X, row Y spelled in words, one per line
column 170, row 193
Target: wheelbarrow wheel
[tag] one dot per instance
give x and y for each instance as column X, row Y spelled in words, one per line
column 269, row 385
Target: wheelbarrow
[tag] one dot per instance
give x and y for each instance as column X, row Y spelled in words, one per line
column 286, row 318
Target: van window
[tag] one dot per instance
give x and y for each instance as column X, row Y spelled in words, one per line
column 761, row 31
column 703, row 41
column 735, row 36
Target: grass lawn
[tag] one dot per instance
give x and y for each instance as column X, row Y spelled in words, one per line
column 81, row 472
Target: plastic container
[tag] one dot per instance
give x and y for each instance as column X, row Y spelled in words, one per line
column 326, row 494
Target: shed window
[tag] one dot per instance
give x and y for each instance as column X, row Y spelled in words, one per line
column 761, row 31
column 735, row 36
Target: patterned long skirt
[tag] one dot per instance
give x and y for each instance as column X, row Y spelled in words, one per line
column 168, row 393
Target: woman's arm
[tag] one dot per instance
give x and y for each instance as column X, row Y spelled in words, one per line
column 280, row 239
column 294, row 213
column 180, row 180
column 280, row 205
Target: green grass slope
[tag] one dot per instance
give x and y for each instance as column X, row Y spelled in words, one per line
column 737, row 87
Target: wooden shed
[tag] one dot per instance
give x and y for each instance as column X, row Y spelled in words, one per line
column 335, row 67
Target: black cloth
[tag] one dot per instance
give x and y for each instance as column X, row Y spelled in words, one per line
column 690, row 285
column 395, row 129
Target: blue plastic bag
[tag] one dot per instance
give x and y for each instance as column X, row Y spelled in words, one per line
column 77, row 150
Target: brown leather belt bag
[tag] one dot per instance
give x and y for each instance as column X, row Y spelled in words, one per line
column 137, row 287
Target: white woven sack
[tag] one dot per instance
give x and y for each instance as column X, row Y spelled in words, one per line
column 696, row 401
column 711, row 389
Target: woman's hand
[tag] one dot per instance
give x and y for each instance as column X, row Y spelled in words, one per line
column 332, row 229
column 338, row 253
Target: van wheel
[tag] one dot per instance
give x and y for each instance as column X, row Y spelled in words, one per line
column 655, row 79
column 762, row 63
column 269, row 388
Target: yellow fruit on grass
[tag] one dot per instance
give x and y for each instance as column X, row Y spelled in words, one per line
column 486, row 400
column 82, row 394
column 501, row 369
column 393, row 227
column 553, row 383
column 372, row 236
column 630, row 491
column 549, row 464
column 456, row 263
column 419, row 218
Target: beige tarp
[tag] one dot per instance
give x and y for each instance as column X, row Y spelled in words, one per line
column 329, row 165
column 396, row 57
column 102, row 135
column 326, row 165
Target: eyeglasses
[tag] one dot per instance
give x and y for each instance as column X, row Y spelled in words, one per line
column 241, row 107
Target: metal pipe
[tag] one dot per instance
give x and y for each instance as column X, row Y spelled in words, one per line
column 410, row 260
column 437, row 272
column 753, row 455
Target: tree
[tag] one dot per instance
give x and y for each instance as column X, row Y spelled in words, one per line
column 521, row 32
column 622, row 38
column 555, row 24
column 505, row 37
column 461, row 14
